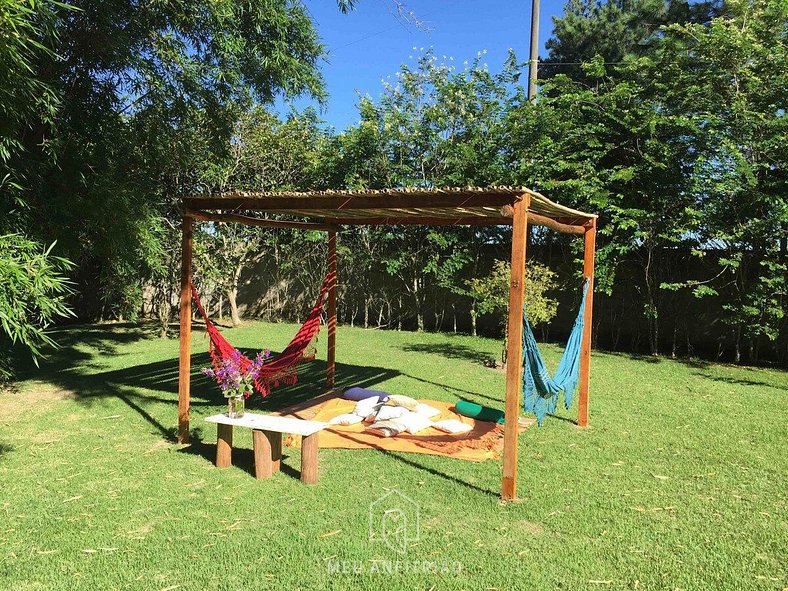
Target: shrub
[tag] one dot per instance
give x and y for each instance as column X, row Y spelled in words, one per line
column 492, row 294
column 33, row 294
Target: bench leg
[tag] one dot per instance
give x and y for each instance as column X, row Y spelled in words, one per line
column 224, row 445
column 309, row 458
column 267, row 452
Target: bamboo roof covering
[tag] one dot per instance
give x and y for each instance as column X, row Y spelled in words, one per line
column 420, row 205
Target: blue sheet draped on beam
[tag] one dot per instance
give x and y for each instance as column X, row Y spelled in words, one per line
column 540, row 391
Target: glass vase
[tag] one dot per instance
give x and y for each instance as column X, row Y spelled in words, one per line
column 235, row 407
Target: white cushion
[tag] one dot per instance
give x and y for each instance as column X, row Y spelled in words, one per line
column 346, row 419
column 404, row 401
column 427, row 410
column 387, row 413
column 452, row 426
column 385, row 428
column 414, row 422
column 366, row 406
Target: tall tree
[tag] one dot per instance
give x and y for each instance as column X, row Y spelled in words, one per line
column 613, row 30
column 149, row 93
column 33, row 288
column 733, row 73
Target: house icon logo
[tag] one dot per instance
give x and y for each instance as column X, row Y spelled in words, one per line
column 394, row 520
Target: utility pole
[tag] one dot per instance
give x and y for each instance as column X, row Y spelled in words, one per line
column 534, row 60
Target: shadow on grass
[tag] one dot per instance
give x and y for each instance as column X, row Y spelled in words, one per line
column 5, row 448
column 143, row 386
column 139, row 386
column 739, row 381
column 699, row 364
column 241, row 457
column 465, row 393
column 414, row 464
column 448, row 350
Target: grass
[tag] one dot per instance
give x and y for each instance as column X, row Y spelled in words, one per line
column 680, row 482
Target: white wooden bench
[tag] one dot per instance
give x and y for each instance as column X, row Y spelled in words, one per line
column 267, row 441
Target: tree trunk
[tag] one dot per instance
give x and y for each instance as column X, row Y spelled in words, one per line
column 164, row 320
column 652, row 314
column 737, row 344
column 232, row 294
column 234, row 316
column 419, row 307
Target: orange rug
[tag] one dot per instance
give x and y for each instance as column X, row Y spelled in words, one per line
column 483, row 442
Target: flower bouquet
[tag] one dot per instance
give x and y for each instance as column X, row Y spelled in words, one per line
column 236, row 376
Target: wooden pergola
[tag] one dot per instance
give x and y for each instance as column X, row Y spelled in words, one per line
column 329, row 210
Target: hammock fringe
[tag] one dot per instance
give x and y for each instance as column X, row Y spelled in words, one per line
column 540, row 390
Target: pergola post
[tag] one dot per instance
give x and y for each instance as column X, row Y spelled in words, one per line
column 332, row 309
column 585, row 349
column 514, row 350
column 184, row 355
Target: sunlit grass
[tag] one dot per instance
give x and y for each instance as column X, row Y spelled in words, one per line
column 679, row 483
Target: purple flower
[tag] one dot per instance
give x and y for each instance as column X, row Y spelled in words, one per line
column 235, row 374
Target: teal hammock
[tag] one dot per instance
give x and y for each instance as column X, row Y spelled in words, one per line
column 540, row 391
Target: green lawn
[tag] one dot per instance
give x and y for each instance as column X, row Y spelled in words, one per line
column 680, row 482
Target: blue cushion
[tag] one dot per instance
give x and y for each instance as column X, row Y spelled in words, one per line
column 356, row 393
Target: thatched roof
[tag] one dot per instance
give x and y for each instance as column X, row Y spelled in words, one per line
column 462, row 205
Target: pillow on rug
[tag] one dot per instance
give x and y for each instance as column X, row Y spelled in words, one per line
column 355, row 393
column 346, row 419
column 367, row 406
column 452, row 426
column 414, row 422
column 403, row 401
column 385, row 428
column 427, row 410
column 386, row 413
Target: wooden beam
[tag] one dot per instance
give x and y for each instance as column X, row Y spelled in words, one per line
column 575, row 221
column 424, row 221
column 205, row 216
column 184, row 353
column 535, row 219
column 332, row 310
column 514, row 350
column 563, row 225
column 340, row 202
column 585, row 349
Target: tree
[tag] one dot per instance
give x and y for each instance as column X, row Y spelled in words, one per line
column 614, row 30
column 734, row 73
column 492, row 294
column 149, row 95
column 33, row 288
column 265, row 154
column 436, row 126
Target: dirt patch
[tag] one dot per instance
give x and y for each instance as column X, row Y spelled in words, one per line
column 530, row 527
column 12, row 403
column 158, row 446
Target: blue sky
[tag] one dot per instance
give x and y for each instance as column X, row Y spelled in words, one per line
column 369, row 43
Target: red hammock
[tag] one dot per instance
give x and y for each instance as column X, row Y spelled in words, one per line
column 283, row 367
